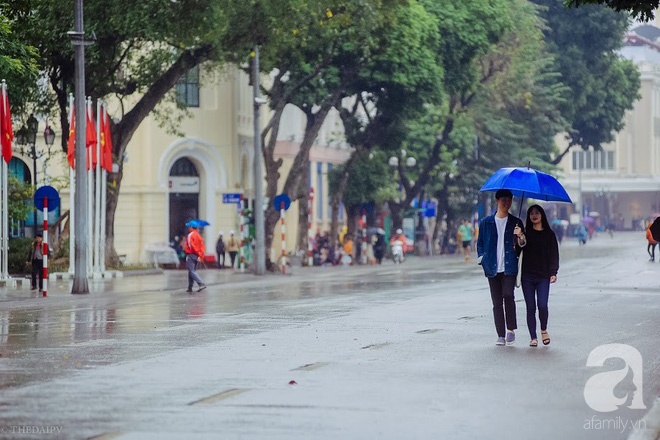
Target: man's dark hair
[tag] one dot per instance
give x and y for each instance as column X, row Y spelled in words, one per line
column 39, row 236
column 503, row 193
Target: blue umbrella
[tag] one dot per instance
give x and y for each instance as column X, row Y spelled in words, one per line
column 527, row 182
column 197, row 223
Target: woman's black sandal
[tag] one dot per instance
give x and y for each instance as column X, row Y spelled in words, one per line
column 545, row 338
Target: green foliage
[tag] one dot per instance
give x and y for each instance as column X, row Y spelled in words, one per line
column 369, row 180
column 602, row 85
column 640, row 9
column 18, row 63
column 19, row 252
column 20, row 194
column 517, row 112
column 137, row 42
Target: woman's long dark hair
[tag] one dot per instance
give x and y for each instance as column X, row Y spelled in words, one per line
column 544, row 219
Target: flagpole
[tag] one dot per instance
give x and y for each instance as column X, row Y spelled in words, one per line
column 90, row 197
column 72, row 200
column 97, row 204
column 3, row 242
column 5, row 199
column 104, row 188
column 5, row 220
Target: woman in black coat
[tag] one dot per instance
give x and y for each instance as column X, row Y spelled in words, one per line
column 539, row 269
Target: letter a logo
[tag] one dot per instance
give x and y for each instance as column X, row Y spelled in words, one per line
column 599, row 389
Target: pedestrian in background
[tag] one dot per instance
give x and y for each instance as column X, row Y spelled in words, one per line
column 220, row 251
column 465, row 231
column 651, row 243
column 581, row 234
column 195, row 251
column 347, row 258
column 540, row 263
column 36, row 259
column 500, row 240
column 233, row 245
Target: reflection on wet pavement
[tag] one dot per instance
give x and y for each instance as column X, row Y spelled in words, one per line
column 138, row 317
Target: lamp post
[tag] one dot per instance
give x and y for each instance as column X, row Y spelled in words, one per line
column 27, row 136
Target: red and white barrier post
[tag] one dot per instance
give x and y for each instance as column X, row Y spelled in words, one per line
column 310, row 252
column 45, row 246
column 363, row 254
column 283, row 239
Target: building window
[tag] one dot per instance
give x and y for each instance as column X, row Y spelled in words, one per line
column 593, row 160
column 184, row 167
column 319, row 187
column 187, row 89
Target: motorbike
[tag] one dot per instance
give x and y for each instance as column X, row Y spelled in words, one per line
column 397, row 252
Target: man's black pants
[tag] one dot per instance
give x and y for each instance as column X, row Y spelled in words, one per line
column 501, row 292
column 38, row 273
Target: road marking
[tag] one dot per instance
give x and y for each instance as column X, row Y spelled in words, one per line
column 428, row 330
column 375, row 346
column 651, row 424
column 310, row 367
column 220, row 396
column 106, row 436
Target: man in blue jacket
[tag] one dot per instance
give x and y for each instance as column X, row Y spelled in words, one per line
column 500, row 240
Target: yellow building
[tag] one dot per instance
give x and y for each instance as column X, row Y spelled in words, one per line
column 168, row 180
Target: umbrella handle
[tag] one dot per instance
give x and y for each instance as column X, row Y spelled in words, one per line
column 521, row 203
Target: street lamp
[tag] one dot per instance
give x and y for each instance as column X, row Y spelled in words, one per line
column 27, row 136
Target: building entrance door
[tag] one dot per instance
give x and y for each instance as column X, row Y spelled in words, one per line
column 184, row 196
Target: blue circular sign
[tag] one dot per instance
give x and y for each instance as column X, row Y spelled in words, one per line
column 46, row 192
column 282, row 198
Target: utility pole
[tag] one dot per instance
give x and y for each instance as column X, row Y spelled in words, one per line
column 259, row 220
column 80, row 284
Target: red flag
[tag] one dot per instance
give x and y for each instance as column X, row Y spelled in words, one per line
column 106, row 143
column 91, row 139
column 70, row 153
column 5, row 127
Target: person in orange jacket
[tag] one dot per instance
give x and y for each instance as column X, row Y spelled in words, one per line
column 194, row 252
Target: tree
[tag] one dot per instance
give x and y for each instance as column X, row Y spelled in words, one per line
column 468, row 31
column 369, row 182
column 393, row 87
column 141, row 50
column 20, row 194
column 602, row 85
column 313, row 54
column 640, row 9
column 18, row 64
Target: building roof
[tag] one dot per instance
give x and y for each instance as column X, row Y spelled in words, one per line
column 647, row 31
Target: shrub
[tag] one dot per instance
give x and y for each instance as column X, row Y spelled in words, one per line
column 19, row 250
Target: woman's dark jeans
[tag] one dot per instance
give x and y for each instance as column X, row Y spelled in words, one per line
column 536, row 290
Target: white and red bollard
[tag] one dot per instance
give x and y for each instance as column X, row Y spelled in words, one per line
column 45, row 247
column 283, row 238
column 363, row 254
column 310, row 251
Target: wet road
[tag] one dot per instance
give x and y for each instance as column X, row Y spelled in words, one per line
column 394, row 352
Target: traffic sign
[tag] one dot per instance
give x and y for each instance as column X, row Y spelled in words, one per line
column 278, row 200
column 231, row 198
column 52, row 195
column 429, row 209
